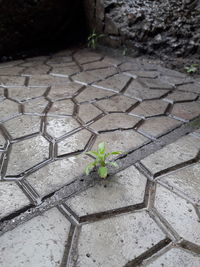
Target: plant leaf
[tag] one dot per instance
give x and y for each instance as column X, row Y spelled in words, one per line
column 101, row 148
column 92, row 153
column 114, row 153
column 103, row 172
column 114, row 164
column 89, row 167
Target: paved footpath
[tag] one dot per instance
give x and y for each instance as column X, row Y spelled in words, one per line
column 147, row 213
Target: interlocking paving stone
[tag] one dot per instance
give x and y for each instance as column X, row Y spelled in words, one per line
column 137, row 90
column 150, row 108
column 178, row 96
column 91, row 93
column 123, row 189
column 155, row 83
column 87, row 56
column 186, row 148
column 57, row 127
column 74, row 143
column 23, row 93
column 62, row 107
column 142, row 74
column 115, row 121
column 11, row 71
column 179, row 213
column 11, row 199
column 175, row 80
column 176, row 257
column 47, row 80
column 131, row 66
column 23, row 125
column 158, row 125
column 130, row 236
column 57, row 174
column 37, row 69
column 116, row 103
column 66, row 90
column 115, row 83
column 186, row 180
column 38, row 242
column 57, row 61
column 195, row 88
column 35, row 106
column 121, row 140
column 27, row 153
column 1, row 93
column 96, row 65
column 8, row 109
column 88, row 112
column 186, row 111
column 66, row 70
column 94, row 75
column 10, row 81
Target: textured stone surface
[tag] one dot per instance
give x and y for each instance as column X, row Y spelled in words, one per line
column 186, row 111
column 8, row 109
column 62, row 108
column 23, row 93
column 158, row 126
column 124, row 189
column 180, row 96
column 117, row 103
column 36, row 106
column 186, row 180
column 38, row 242
column 63, row 91
column 121, row 140
column 57, row 174
column 88, row 112
column 11, row 198
column 179, row 213
column 177, row 257
column 186, row 148
column 115, row 121
column 27, row 153
column 57, row 127
column 75, row 142
column 131, row 235
column 23, row 125
column 150, row 108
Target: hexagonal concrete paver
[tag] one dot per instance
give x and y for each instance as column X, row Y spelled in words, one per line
column 115, row 121
column 12, row 81
column 47, row 80
column 37, row 69
column 178, row 96
column 2, row 140
column 65, row 90
column 118, row 103
column 150, row 108
column 129, row 234
column 179, row 214
column 124, row 189
column 85, row 56
column 57, row 61
column 193, row 88
column 176, row 257
column 185, row 180
column 22, row 126
column 184, row 149
column 57, row 127
column 26, row 154
column 36, row 106
column 91, row 93
column 137, row 90
column 74, row 142
column 24, row 93
column 8, row 109
column 38, row 242
column 67, row 70
column 186, row 111
column 159, row 125
column 87, row 112
column 94, row 75
column 62, row 108
column 121, row 140
column 156, row 83
column 57, row 174
column 115, row 83
column 11, row 198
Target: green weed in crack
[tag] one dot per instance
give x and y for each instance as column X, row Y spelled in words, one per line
column 101, row 160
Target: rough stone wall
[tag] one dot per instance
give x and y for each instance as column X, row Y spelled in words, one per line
column 149, row 26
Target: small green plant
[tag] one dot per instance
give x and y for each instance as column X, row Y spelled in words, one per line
column 100, row 161
column 93, row 39
column 192, row 68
